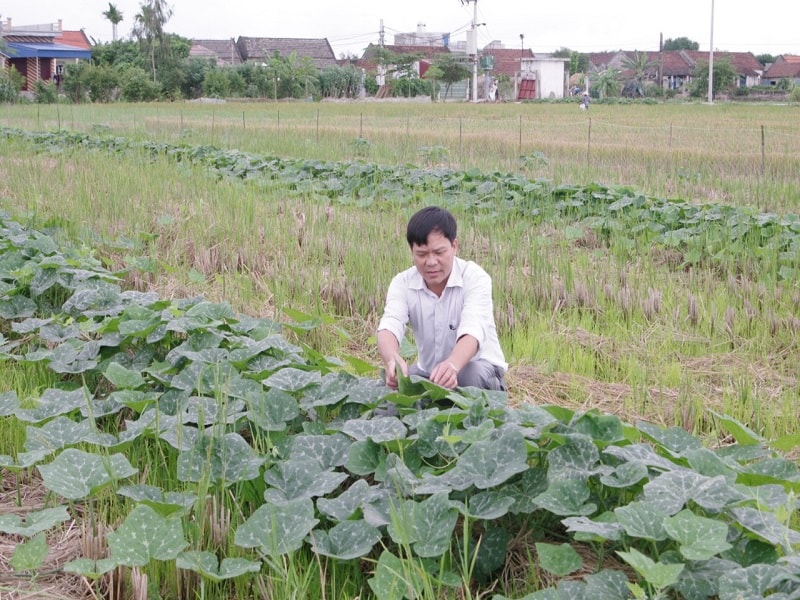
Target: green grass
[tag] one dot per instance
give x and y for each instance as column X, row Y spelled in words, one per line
column 639, row 331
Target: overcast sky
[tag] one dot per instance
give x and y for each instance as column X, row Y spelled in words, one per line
column 764, row 27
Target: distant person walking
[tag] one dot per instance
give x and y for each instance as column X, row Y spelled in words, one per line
column 585, row 100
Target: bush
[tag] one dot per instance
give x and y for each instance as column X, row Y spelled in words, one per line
column 45, row 92
column 216, row 84
column 138, row 86
column 10, row 87
column 794, row 95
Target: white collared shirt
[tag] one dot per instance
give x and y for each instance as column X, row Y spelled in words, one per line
column 464, row 308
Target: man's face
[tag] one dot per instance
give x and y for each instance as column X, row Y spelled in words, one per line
column 434, row 260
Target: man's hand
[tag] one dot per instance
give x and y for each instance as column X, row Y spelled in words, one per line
column 445, row 374
column 391, row 370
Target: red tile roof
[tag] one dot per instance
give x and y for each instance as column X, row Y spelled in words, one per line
column 73, row 38
column 787, row 66
column 506, row 60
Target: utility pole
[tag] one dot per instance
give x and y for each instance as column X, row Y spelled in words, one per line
column 711, row 60
column 472, row 48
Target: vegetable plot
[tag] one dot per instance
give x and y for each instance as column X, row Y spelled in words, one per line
column 428, row 500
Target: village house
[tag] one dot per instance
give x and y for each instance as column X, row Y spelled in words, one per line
column 39, row 52
column 674, row 69
column 785, row 67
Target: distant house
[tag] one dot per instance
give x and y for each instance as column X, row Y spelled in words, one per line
column 676, row 68
column 222, row 52
column 39, row 52
column 261, row 49
column 543, row 77
column 785, row 67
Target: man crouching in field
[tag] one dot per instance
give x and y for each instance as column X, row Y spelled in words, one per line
column 448, row 302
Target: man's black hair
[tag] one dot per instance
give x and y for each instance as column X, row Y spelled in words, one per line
column 432, row 218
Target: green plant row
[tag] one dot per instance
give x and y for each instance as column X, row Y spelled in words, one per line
column 732, row 238
column 426, row 486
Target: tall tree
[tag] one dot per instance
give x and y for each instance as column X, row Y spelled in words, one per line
column 114, row 15
column 452, row 70
column 148, row 29
column 640, row 67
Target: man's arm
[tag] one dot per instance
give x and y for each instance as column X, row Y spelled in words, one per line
column 445, row 373
column 389, row 349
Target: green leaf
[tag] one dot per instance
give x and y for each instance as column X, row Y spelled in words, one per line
column 145, row 535
column 601, row 429
column 208, row 566
column 30, row 555
column 657, row 574
column 54, row 402
column 396, row 579
column 740, row 432
column 700, row 538
column 224, row 459
column 380, row 429
column 62, row 432
column 489, row 463
column 766, row 526
column 164, row 504
column 93, row 569
column 492, row 552
column 566, row 497
column 427, row 526
column 364, row 458
column 348, row 502
column 291, row 379
column 9, row 403
column 291, row 480
column 75, row 474
column 625, row 475
column 123, row 378
column 603, row 530
column 671, row 491
column 277, row 529
column 272, row 410
column 608, row 584
column 346, row 540
column 643, row 519
column 747, row 582
column 327, row 450
column 36, row 521
column 559, row 560
column 488, row 505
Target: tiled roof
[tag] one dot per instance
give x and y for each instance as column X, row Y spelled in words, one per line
column 259, row 49
column 787, row 66
column 225, row 51
column 744, row 63
column 73, row 38
column 507, row 60
column 678, row 62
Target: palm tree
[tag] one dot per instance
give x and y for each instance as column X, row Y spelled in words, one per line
column 640, row 67
column 114, row 15
column 148, row 28
column 607, row 82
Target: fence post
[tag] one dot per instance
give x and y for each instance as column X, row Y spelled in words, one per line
column 520, row 135
column 318, row 126
column 763, row 153
column 460, row 137
column 588, row 142
column 243, row 123
column 361, row 126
